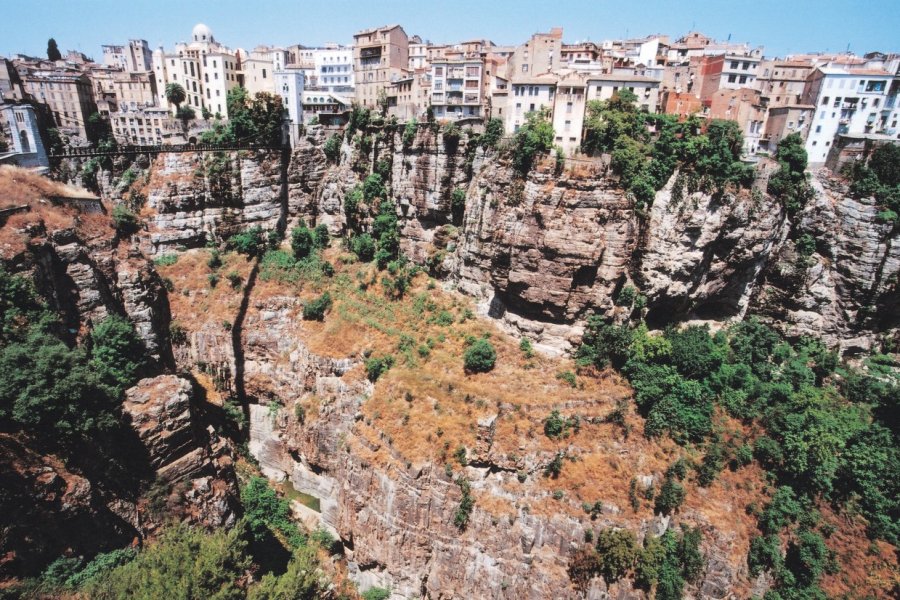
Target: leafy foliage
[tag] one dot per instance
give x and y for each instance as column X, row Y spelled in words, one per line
column 617, row 551
column 124, row 220
column 790, row 184
column 118, row 354
column 302, row 580
column 265, row 513
column 302, row 241
column 533, row 138
column 878, row 178
column 315, row 310
column 251, row 242
column 377, row 366
column 183, row 563
column 480, row 356
column 466, row 504
column 332, row 148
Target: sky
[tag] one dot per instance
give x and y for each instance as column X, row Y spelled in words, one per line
column 781, row 26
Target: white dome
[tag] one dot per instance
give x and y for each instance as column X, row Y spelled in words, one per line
column 202, row 33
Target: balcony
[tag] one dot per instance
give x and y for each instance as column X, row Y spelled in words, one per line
column 370, row 52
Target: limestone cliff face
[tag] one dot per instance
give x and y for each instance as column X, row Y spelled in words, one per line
column 194, row 198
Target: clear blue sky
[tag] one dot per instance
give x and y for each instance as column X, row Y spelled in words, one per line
column 782, row 26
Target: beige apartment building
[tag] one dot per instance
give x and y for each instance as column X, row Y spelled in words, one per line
column 538, row 56
column 380, row 57
column 782, row 81
column 68, row 96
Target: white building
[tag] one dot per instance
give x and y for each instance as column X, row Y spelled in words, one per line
column 258, row 68
column 456, row 88
column 568, row 112
column 418, row 56
column 602, row 87
column 205, row 69
column 334, row 69
column 848, row 101
column 289, row 85
column 528, row 95
column 133, row 58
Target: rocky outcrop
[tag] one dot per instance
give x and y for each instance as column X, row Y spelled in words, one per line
column 162, row 413
column 195, row 198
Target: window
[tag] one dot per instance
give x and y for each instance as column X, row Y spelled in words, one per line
column 874, row 86
column 743, row 79
column 568, row 126
column 568, row 108
column 525, row 68
column 734, row 64
column 825, row 100
column 531, row 108
column 732, row 78
column 264, row 73
column 818, row 129
column 745, row 66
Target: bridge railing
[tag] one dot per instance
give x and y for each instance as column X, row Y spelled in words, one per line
column 159, row 149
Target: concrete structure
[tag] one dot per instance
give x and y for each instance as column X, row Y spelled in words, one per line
column 10, row 82
column 148, row 125
column 334, row 69
column 848, row 101
column 784, row 120
column 134, row 57
column 681, row 105
column 26, row 148
column 528, row 95
column 257, row 68
column 205, row 69
column 782, row 81
column 456, row 90
column 68, row 96
column 848, row 148
column 289, row 84
column 727, row 71
column 418, row 54
column 328, row 108
column 380, row 56
column 746, row 108
column 568, row 112
column 538, row 56
column 602, row 87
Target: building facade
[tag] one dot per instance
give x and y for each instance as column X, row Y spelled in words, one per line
column 380, row 56
column 456, row 88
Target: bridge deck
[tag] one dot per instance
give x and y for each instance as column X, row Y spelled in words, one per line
column 120, row 150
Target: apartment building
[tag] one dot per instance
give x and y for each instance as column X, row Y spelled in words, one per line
column 206, row 70
column 528, row 95
column 568, row 111
column 334, row 69
column 538, row 56
column 257, row 68
column 380, row 56
column 68, row 95
column 602, row 87
column 728, row 71
column 848, row 101
column 456, row 88
column 134, row 57
column 745, row 107
column 151, row 126
column 289, row 84
column 115, row 89
column 782, row 81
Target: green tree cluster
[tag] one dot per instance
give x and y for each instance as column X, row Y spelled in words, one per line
column 790, row 184
column 879, row 178
column 532, row 139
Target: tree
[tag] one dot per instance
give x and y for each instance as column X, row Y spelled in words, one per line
column 616, row 550
column 185, row 114
column 267, row 117
column 303, row 580
column 118, row 354
column 183, row 563
column 175, row 94
column 332, row 148
column 790, row 183
column 533, row 138
column 302, row 242
column 480, row 356
column 53, row 50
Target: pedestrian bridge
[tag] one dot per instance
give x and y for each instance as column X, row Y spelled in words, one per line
column 162, row 149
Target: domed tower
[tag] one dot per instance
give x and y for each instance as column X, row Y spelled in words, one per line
column 202, row 33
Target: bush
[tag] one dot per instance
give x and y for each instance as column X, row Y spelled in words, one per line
column 363, row 246
column 166, row 260
column 376, row 593
column 671, row 496
column 554, row 425
column 234, row 278
column 466, row 503
column 377, row 366
column 332, row 148
column 251, row 242
column 480, row 357
column 616, row 551
column 118, row 354
column 125, row 221
column 303, row 579
column 554, row 467
column 302, row 242
column 100, row 565
column 182, row 563
column 321, row 237
column 315, row 310
column 409, row 133
column 533, row 138
column 215, row 260
column 265, row 513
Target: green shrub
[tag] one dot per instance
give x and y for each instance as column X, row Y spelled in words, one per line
column 466, row 504
column 100, row 565
column 554, row 425
column 304, row 579
column 617, row 551
column 265, row 513
column 212, row 279
column 315, row 310
column 234, row 278
column 332, row 148
column 166, row 260
column 251, row 242
column 376, row 593
column 124, row 220
column 409, row 133
column 480, row 357
column 554, row 467
column 671, row 496
column 215, row 260
column 568, row 377
column 377, row 366
column 363, row 246
column 626, row 296
column 526, row 347
column 302, row 242
column 118, row 354
column 321, row 237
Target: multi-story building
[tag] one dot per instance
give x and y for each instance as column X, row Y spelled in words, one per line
column 747, row 108
column 127, row 90
column 380, row 56
column 538, row 56
column 10, row 82
column 289, row 84
column 418, row 54
column 848, row 101
column 528, row 95
column 328, row 108
column 582, row 53
column 568, row 112
column 257, row 68
column 456, row 88
column 680, row 104
column 68, row 95
column 783, row 120
column 150, row 125
column 782, row 81
column 205, row 69
column 334, row 69
column 728, row 71
column 134, row 57
column 19, row 124
column 602, row 87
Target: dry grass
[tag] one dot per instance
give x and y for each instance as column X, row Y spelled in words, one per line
column 22, row 187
